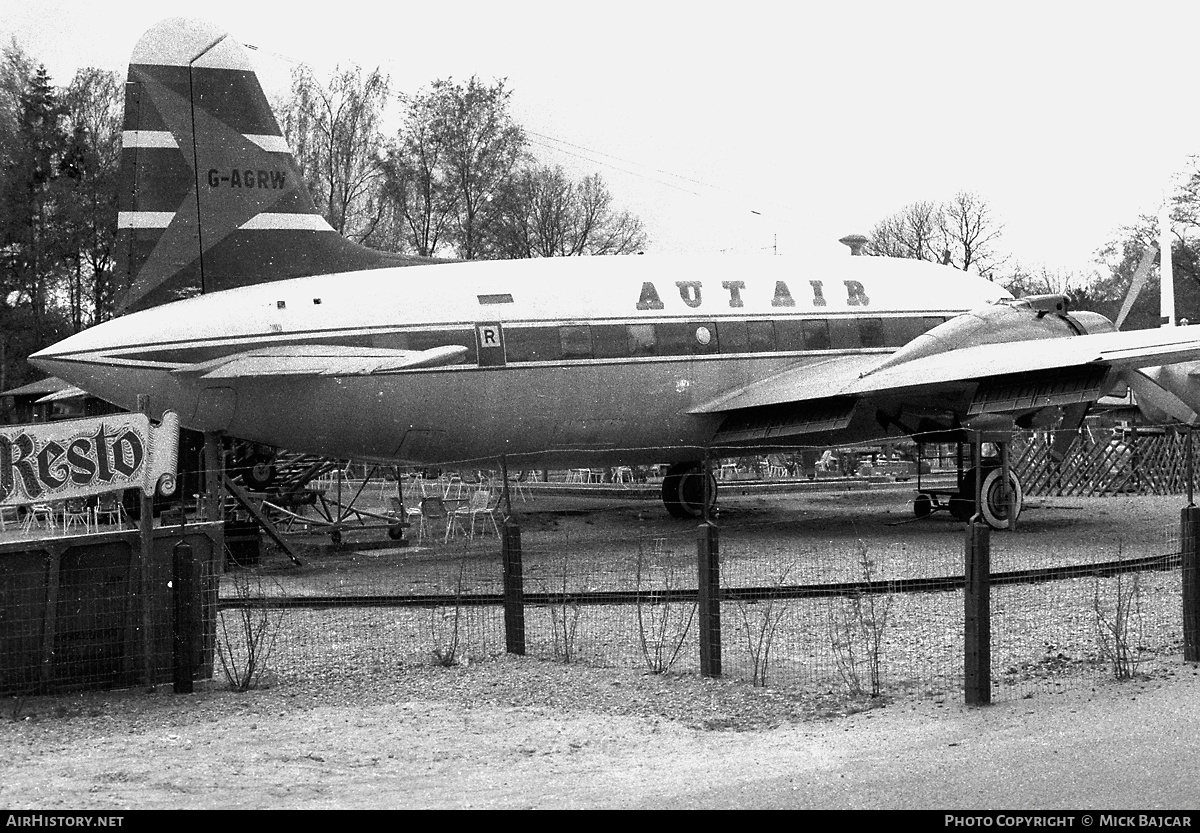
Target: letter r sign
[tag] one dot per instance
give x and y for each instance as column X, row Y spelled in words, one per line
column 489, row 339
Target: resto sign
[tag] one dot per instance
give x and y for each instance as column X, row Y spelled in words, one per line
column 81, row 457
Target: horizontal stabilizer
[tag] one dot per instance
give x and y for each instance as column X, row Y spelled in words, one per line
column 322, row 360
column 65, row 393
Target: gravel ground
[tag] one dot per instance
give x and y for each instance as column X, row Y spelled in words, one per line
column 518, row 733
column 503, row 731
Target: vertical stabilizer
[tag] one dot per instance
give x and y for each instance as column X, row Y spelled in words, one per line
column 211, row 196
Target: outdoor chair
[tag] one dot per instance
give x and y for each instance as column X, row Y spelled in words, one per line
column 517, row 484
column 433, row 510
column 109, row 510
column 76, row 513
column 411, row 515
column 40, row 515
column 480, row 504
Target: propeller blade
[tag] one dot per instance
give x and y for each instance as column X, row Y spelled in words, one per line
column 1166, row 296
column 1135, row 285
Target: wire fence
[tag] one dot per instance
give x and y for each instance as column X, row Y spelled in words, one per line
column 829, row 584
column 804, row 605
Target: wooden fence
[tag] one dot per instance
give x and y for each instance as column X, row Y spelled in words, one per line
column 1101, row 462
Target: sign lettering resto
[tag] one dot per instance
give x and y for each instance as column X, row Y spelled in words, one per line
column 80, row 457
column 692, row 294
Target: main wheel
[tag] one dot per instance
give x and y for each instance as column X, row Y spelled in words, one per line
column 260, row 474
column 683, row 490
column 994, row 505
column 923, row 505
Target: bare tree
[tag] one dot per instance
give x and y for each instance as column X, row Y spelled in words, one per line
column 970, row 232
column 483, row 145
column 334, row 133
column 961, row 232
column 418, row 188
column 913, row 232
column 542, row 213
column 91, row 170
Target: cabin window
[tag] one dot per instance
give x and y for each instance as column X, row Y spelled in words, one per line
column 643, row 340
column 870, row 332
column 761, row 336
column 789, row 334
column 843, row 334
column 816, row 334
column 683, row 338
column 576, row 341
column 733, row 337
column 531, row 344
column 610, row 341
column 391, row 341
column 900, row 331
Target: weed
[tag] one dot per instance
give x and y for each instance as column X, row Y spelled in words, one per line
column 1118, row 620
column 445, row 648
column 857, row 626
column 564, row 620
column 244, row 645
column 661, row 627
column 760, row 620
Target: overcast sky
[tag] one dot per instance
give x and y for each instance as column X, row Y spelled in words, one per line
column 1068, row 118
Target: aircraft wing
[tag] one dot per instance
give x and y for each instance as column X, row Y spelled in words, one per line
column 1008, row 377
column 322, row 360
column 1122, row 350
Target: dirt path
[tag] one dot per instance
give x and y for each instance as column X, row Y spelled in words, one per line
column 485, row 737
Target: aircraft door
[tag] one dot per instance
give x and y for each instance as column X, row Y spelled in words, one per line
column 489, row 339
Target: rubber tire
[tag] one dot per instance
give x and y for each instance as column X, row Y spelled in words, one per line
column 923, row 505
column 682, row 491
column 259, row 474
column 995, row 511
column 395, row 532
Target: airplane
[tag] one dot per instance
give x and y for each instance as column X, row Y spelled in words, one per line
column 296, row 338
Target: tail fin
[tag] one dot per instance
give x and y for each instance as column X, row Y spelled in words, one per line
column 211, row 197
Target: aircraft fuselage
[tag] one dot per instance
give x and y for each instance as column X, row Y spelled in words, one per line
column 570, row 360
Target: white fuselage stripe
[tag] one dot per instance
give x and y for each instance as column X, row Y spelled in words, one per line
column 144, row 219
column 271, row 144
column 298, row 222
column 148, row 139
column 164, row 139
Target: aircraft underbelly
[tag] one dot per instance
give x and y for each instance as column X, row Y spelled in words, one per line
column 466, row 414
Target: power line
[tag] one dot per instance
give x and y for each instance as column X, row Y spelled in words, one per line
column 614, row 167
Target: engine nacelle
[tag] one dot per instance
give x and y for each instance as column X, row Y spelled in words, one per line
column 1019, row 319
column 1167, row 393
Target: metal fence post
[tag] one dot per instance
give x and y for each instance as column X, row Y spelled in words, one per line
column 977, row 624
column 187, row 623
column 146, row 565
column 709, row 599
column 514, row 588
column 1189, row 534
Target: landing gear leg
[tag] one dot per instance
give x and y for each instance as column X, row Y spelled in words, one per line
column 999, row 506
column 683, row 490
